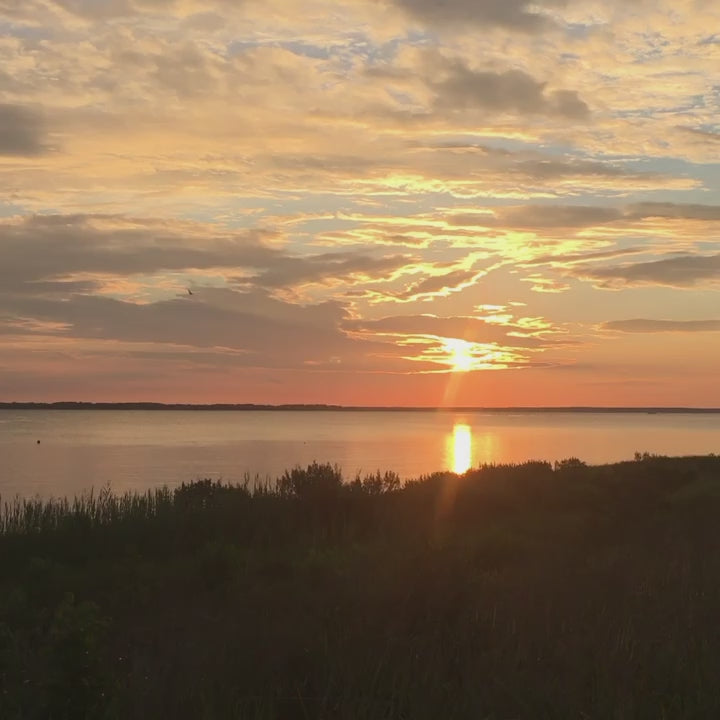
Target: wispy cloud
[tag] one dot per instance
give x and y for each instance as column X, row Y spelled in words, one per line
column 640, row 325
column 51, row 252
column 519, row 15
column 685, row 271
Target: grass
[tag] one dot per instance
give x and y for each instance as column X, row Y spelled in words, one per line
column 529, row 591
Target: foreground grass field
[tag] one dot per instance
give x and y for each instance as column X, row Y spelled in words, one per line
column 511, row 592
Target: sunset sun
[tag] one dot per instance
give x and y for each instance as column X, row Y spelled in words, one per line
column 460, row 354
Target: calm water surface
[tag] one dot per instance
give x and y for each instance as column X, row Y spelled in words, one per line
column 135, row 450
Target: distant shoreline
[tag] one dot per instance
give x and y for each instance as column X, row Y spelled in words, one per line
column 225, row 407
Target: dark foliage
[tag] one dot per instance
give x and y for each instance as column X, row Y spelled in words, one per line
column 534, row 592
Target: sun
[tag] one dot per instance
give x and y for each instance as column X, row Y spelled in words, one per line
column 461, row 357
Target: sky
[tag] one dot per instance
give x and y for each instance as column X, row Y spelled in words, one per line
column 360, row 202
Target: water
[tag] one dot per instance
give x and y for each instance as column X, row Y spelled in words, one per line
column 135, row 450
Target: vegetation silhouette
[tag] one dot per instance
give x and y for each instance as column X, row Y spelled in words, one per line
column 541, row 591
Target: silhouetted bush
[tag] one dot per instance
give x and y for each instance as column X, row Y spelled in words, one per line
column 376, row 484
column 316, row 483
column 571, row 463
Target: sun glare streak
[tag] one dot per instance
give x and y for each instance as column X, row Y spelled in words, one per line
column 461, row 449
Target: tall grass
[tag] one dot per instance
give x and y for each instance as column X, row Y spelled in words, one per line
column 91, row 509
column 528, row 591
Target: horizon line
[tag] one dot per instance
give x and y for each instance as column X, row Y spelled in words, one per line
column 151, row 405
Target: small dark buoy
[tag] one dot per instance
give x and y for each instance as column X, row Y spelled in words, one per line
column 38, row 442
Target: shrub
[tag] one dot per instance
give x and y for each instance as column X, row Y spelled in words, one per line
column 317, row 482
column 376, row 484
column 571, row 463
column 206, row 493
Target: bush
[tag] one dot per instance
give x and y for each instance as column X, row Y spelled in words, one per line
column 571, row 463
column 203, row 494
column 376, row 484
column 315, row 483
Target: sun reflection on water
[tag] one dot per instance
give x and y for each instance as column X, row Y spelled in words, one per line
column 461, row 455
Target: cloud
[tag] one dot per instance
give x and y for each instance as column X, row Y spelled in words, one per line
column 510, row 14
column 702, row 136
column 546, row 285
column 91, row 9
column 99, row 10
column 154, row 114
column 683, row 272
column 569, row 217
column 558, row 168
column 249, row 321
column 462, row 172
column 43, row 247
column 640, row 325
column 456, row 86
column 251, row 328
column 66, row 254
column 437, row 285
column 565, row 259
column 428, row 339
column 269, row 332
column 674, row 211
column 491, row 343
column 289, row 271
column 462, row 87
column 22, row 131
column 558, row 216
column 471, row 329
column 70, row 278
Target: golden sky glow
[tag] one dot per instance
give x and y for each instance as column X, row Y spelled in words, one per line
column 373, row 202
